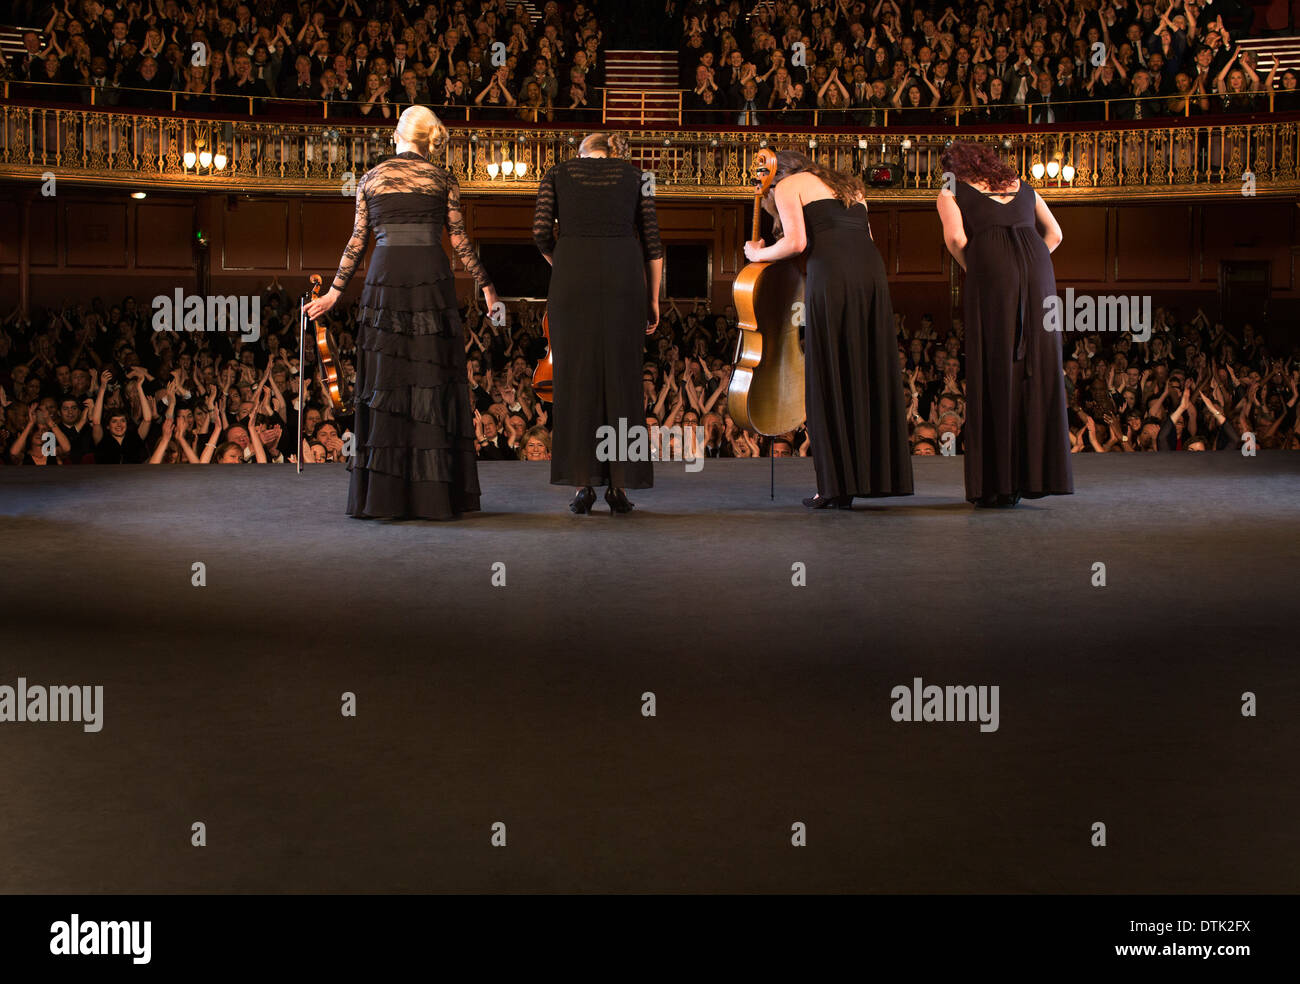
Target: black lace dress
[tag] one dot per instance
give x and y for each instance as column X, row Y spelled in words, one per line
column 597, row 311
column 414, row 424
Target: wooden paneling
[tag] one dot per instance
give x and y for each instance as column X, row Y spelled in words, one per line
column 43, row 232
column 1153, row 243
column 920, row 251
column 11, row 220
column 96, row 235
column 1247, row 231
column 255, row 235
column 1081, row 257
column 681, row 217
column 323, row 230
column 509, row 221
column 84, row 242
column 164, row 235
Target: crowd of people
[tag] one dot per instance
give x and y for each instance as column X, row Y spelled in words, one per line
column 97, row 384
column 881, row 62
column 366, row 58
column 757, row 62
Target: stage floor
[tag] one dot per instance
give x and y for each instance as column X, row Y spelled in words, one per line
column 523, row 703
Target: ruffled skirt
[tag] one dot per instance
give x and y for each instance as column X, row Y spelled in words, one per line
column 414, row 451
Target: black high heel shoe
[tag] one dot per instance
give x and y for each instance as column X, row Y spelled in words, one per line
column 583, row 501
column 820, row 501
column 617, row 500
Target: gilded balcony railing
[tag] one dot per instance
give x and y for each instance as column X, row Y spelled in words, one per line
column 1178, row 158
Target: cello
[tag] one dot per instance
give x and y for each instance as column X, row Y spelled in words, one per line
column 766, row 393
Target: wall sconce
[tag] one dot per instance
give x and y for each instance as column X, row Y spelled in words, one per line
column 204, row 158
column 507, row 169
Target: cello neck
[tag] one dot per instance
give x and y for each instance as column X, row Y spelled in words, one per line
column 758, row 205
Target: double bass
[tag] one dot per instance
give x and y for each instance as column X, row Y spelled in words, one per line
column 766, row 394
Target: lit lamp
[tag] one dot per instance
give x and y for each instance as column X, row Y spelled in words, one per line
column 219, row 161
column 205, row 159
column 492, row 169
column 1053, row 169
column 189, row 159
column 1037, row 170
column 1067, row 172
column 521, row 169
column 507, row 168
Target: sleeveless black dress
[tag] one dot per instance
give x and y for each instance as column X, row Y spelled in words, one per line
column 414, row 427
column 1017, row 434
column 597, row 311
column 853, row 384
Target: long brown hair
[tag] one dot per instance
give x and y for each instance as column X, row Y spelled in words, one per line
column 848, row 188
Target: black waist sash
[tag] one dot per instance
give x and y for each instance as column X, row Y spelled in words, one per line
column 406, row 234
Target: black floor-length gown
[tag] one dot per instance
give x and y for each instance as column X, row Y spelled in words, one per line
column 597, row 311
column 414, row 424
column 853, row 383
column 1017, row 434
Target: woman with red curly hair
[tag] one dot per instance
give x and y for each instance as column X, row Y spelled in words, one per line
column 1001, row 232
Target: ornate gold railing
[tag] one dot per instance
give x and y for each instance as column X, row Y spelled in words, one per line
column 1107, row 161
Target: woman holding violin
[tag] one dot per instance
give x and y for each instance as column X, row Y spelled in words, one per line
column 606, row 267
column 414, row 429
column 853, row 389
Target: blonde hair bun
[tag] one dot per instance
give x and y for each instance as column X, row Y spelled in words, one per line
column 419, row 126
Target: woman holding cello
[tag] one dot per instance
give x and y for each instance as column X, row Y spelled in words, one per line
column 607, row 263
column 853, row 386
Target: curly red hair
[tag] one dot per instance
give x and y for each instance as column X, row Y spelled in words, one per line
column 978, row 164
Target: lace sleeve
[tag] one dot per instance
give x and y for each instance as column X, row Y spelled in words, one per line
column 544, row 214
column 356, row 247
column 459, row 240
column 647, row 221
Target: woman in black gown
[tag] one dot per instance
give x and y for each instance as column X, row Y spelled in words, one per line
column 1002, row 234
column 414, row 428
column 853, row 384
column 604, row 297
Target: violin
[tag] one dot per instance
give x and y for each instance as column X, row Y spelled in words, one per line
column 766, row 394
column 544, row 374
column 331, row 377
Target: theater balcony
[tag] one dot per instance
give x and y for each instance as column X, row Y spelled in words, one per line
column 1193, row 157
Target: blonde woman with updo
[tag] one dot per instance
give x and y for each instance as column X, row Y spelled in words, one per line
column 414, row 425
column 607, row 263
